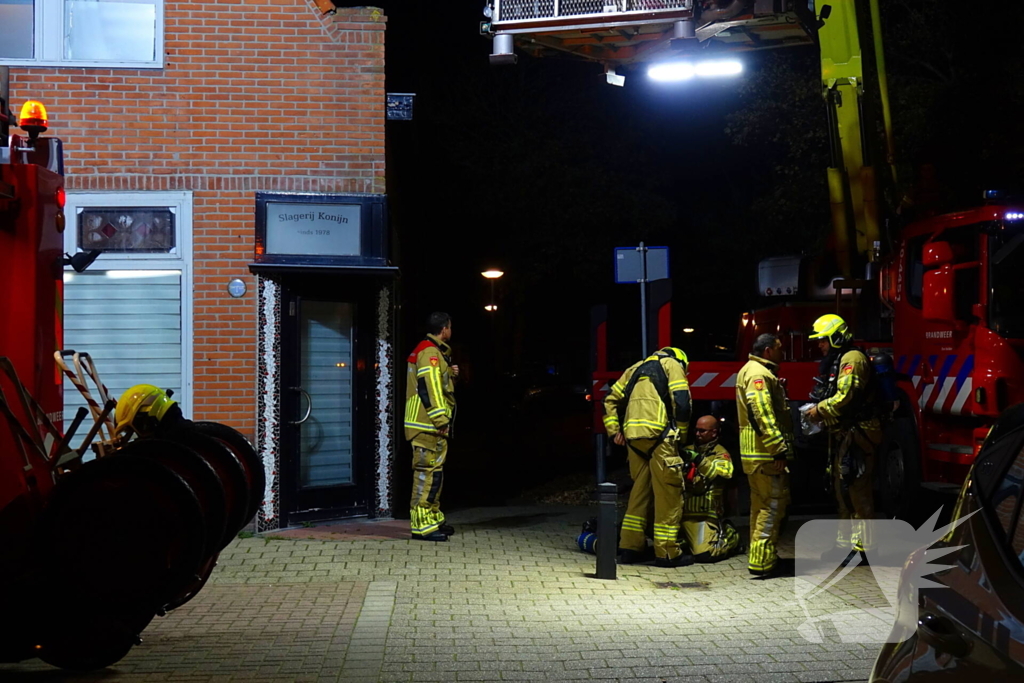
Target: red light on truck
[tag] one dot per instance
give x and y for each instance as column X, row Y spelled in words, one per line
column 61, row 197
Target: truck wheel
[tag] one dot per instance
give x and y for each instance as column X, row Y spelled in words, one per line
column 86, row 642
column 898, row 472
column 248, row 456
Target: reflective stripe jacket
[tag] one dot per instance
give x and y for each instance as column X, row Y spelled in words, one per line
column 429, row 389
column 854, row 375
column 766, row 429
column 651, row 421
column 703, row 498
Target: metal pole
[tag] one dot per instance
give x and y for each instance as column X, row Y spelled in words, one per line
column 599, row 441
column 643, row 301
column 606, row 531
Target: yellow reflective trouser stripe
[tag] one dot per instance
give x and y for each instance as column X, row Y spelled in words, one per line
column 634, row 523
column 666, row 532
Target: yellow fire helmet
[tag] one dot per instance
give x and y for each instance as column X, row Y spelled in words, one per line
column 673, row 352
column 833, row 328
column 142, row 407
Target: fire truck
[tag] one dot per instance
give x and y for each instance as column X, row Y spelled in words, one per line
column 934, row 302
column 102, row 533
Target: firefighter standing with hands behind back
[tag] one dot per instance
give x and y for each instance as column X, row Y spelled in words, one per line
column 648, row 411
column 848, row 404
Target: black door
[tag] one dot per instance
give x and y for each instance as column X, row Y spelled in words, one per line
column 326, row 400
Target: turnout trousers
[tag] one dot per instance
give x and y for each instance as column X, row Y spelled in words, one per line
column 854, row 498
column 657, row 481
column 709, row 536
column 769, row 496
column 428, row 456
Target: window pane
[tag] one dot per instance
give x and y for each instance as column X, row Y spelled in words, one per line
column 110, row 30
column 141, row 231
column 16, row 28
column 326, row 342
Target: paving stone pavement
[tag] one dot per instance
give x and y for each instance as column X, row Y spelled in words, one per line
column 507, row 599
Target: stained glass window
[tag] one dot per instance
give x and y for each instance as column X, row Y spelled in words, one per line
column 134, row 230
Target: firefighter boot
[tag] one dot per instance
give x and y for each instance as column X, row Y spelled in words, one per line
column 680, row 560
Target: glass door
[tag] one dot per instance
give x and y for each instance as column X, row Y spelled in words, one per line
column 320, row 477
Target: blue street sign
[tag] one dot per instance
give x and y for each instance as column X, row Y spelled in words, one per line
column 641, row 265
column 629, row 264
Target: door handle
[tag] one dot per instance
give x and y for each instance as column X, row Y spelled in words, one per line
column 942, row 634
column 309, row 406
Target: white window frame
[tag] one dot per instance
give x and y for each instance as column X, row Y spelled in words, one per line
column 48, row 37
column 180, row 203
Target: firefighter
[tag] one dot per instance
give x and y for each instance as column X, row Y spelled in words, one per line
column 429, row 413
column 766, row 448
column 848, row 405
column 709, row 535
column 648, row 411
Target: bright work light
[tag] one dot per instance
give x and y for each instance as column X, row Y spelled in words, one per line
column 684, row 71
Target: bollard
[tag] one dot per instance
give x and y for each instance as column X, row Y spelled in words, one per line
column 606, row 531
column 599, row 448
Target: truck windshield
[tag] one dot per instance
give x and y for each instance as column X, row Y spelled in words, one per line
column 1006, row 279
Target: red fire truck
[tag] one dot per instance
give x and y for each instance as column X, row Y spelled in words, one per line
column 93, row 545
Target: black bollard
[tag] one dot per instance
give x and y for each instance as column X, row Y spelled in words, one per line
column 599, row 447
column 607, row 517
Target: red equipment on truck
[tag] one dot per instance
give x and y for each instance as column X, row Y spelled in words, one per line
column 92, row 549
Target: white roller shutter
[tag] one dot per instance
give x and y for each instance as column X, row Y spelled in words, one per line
column 130, row 322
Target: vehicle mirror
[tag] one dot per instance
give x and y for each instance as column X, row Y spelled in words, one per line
column 937, row 254
column 938, row 300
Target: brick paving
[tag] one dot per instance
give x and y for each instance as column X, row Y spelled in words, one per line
column 507, row 599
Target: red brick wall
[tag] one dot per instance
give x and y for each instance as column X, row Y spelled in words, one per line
column 257, row 96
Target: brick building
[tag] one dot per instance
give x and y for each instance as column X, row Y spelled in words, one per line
column 229, row 160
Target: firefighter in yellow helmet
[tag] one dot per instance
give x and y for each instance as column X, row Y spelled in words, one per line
column 429, row 413
column 848, row 404
column 708, row 534
column 766, row 449
column 648, row 411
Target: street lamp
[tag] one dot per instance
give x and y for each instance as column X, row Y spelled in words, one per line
column 492, row 275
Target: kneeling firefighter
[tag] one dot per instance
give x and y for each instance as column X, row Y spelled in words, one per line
column 709, row 535
column 648, row 410
column 849, row 404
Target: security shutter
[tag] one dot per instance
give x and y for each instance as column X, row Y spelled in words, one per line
column 129, row 321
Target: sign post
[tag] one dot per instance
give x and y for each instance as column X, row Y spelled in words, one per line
column 641, row 265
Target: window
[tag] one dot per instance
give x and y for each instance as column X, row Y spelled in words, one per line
column 915, row 270
column 131, row 310
column 109, row 33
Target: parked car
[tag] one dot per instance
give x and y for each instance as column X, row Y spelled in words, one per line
column 972, row 628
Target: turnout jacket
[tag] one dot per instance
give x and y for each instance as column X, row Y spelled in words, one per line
column 429, row 389
column 851, row 394
column 703, row 497
column 766, row 429
column 644, row 414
